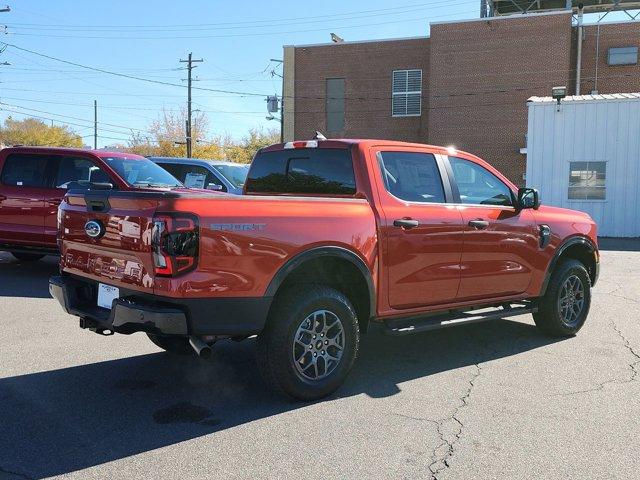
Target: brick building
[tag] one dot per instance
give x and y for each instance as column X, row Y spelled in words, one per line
column 466, row 84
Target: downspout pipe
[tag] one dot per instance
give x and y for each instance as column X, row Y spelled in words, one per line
column 579, row 49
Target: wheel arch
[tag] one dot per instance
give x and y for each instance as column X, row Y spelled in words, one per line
column 579, row 248
column 334, row 266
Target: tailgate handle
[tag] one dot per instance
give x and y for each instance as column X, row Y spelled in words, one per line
column 97, row 201
column 97, row 205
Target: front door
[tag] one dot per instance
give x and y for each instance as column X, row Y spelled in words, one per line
column 22, row 209
column 422, row 234
column 499, row 240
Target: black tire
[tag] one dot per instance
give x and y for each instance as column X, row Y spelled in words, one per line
column 27, row 257
column 276, row 348
column 175, row 345
column 551, row 317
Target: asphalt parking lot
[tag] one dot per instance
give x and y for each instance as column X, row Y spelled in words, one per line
column 493, row 400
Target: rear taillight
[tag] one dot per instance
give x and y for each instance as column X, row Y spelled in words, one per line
column 174, row 240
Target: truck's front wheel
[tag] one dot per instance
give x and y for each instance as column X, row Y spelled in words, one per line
column 310, row 342
column 565, row 306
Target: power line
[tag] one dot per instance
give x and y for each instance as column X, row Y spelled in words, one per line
column 329, row 17
column 234, row 35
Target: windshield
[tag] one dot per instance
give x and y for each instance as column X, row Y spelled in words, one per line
column 236, row 174
column 141, row 172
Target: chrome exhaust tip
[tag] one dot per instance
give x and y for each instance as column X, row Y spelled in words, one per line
column 202, row 349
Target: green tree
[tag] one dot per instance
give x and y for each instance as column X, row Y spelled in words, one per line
column 34, row 132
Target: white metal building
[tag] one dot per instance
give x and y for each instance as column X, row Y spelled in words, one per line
column 585, row 154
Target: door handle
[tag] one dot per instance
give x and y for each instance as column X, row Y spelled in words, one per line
column 406, row 223
column 478, row 224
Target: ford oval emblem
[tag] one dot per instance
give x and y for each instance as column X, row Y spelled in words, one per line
column 94, row 229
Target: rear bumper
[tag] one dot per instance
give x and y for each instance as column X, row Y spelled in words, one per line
column 135, row 312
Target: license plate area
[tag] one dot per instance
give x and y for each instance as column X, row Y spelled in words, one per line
column 106, row 295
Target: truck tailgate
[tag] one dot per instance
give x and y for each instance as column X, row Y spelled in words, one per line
column 106, row 236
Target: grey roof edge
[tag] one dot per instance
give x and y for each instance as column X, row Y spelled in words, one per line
column 602, row 97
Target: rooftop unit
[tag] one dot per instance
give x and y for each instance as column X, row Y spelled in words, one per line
column 494, row 8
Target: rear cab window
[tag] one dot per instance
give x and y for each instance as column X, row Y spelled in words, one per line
column 304, row 171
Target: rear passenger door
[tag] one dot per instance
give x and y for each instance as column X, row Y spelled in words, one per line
column 422, row 233
column 61, row 171
column 22, row 208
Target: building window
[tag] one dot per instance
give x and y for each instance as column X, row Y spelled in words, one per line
column 623, row 56
column 334, row 105
column 587, row 180
column 406, row 93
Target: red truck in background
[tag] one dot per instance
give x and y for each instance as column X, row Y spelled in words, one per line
column 33, row 181
column 333, row 238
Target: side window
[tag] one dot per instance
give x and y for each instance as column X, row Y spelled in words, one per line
column 412, row 176
column 174, row 169
column 196, row 176
column 74, row 169
column 23, row 170
column 477, row 185
column 587, row 180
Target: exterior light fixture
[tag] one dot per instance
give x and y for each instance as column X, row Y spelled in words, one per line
column 558, row 93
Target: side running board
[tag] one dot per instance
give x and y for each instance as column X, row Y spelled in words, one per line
column 406, row 326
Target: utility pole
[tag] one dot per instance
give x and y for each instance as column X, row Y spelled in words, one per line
column 190, row 61
column 95, row 124
column 273, row 73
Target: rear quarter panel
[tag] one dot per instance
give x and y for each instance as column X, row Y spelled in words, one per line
column 245, row 240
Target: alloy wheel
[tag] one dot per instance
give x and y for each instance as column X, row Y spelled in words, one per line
column 318, row 345
column 571, row 300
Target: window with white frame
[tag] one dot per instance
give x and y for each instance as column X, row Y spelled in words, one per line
column 406, row 93
column 587, row 180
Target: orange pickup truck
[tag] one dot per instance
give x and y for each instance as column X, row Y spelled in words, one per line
column 332, row 238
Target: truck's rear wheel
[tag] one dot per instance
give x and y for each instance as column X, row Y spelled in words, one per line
column 310, row 342
column 175, row 345
column 27, row 257
column 565, row 306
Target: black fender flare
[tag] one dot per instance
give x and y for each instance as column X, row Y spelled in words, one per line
column 324, row 252
column 584, row 241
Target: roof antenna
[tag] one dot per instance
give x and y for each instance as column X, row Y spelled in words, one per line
column 319, row 136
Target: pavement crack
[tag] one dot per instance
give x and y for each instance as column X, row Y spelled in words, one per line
column 15, row 474
column 633, row 366
column 627, row 344
column 443, row 452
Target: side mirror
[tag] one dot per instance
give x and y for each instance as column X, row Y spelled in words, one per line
column 528, row 198
column 214, row 186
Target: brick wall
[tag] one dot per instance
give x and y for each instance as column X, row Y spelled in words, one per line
column 483, row 72
column 367, row 69
column 611, row 79
column 477, row 76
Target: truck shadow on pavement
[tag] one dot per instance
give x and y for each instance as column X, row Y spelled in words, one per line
column 65, row 420
column 26, row 279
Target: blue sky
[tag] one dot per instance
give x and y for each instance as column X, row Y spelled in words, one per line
column 146, row 38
